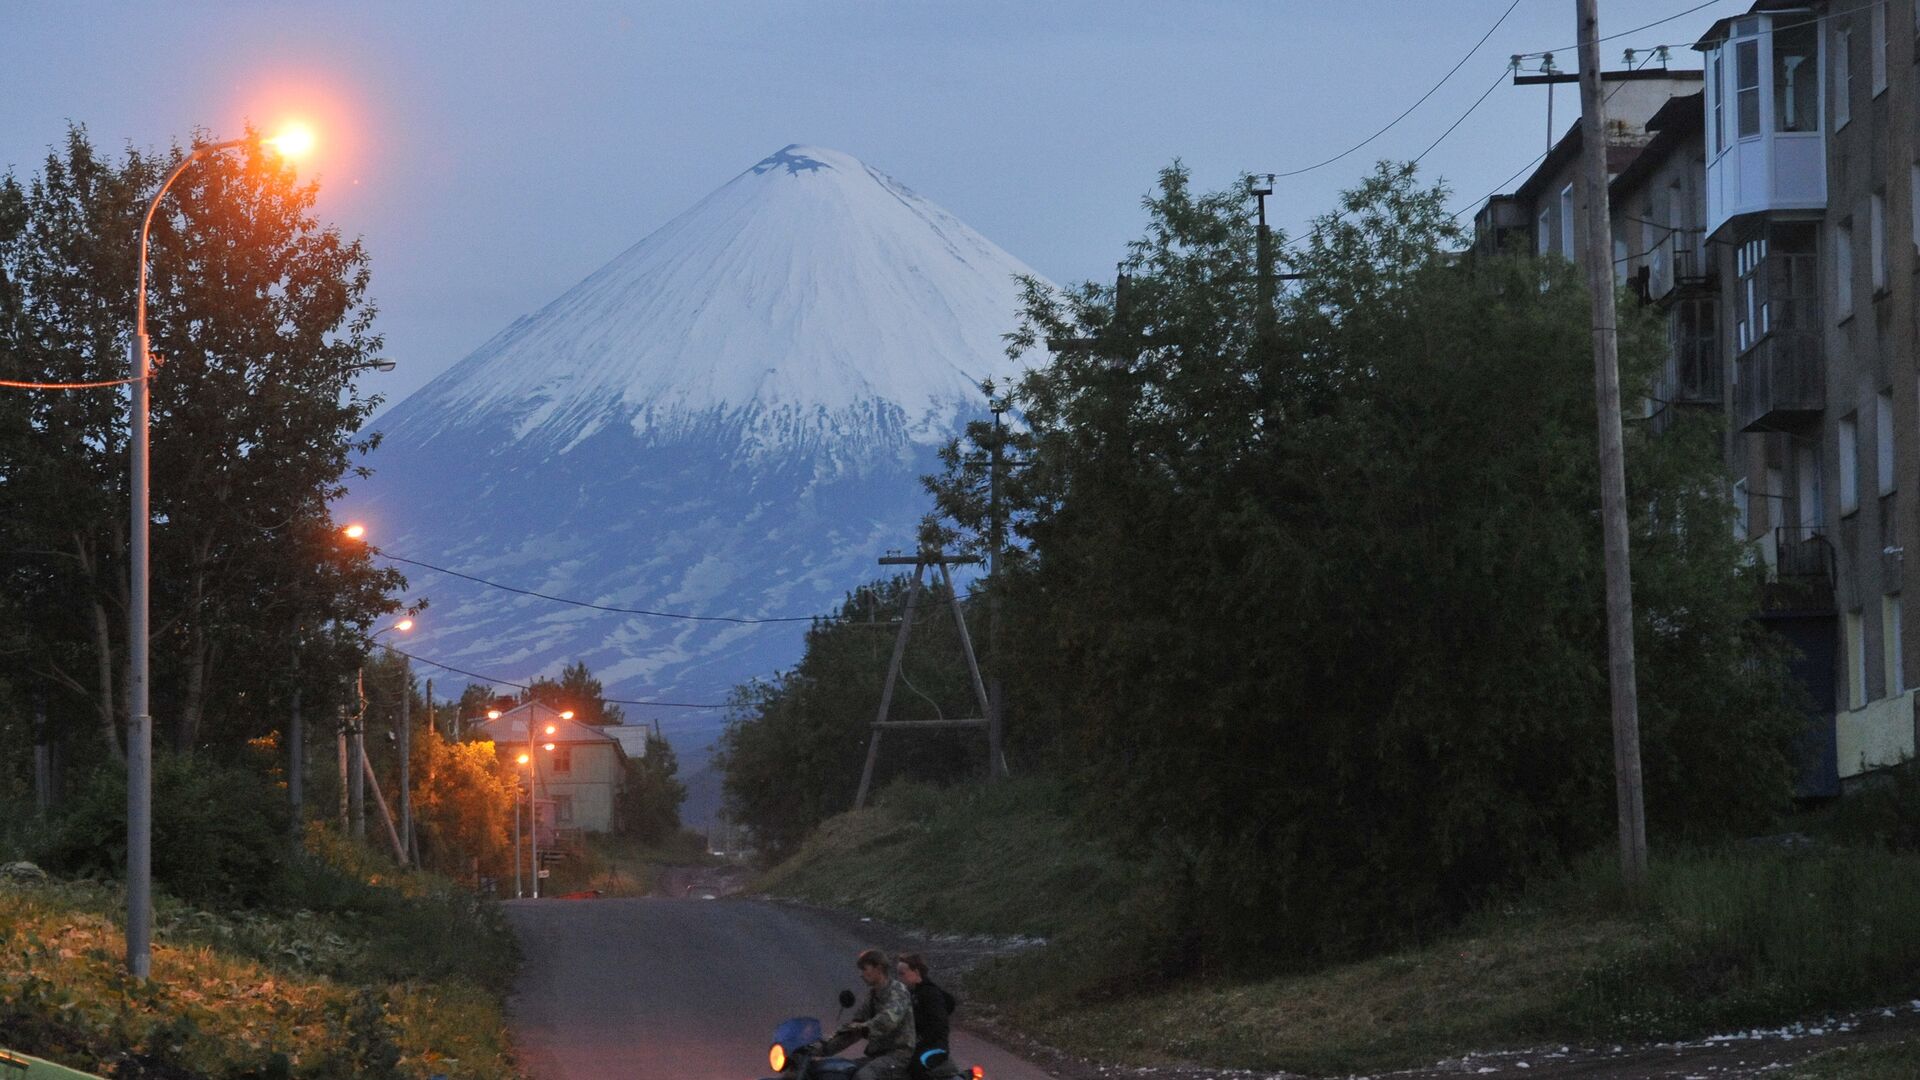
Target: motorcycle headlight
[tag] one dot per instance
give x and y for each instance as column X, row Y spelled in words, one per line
column 777, row 1057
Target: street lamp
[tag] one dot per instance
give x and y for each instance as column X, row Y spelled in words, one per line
column 518, row 890
column 139, row 708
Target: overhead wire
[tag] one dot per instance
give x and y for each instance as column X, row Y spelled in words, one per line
column 495, row 681
column 1409, row 109
column 15, row 384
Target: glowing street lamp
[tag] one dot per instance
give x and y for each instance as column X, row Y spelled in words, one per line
column 140, row 578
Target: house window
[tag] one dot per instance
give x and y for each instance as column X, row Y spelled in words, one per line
column 563, row 759
column 1848, row 438
column 1750, row 299
column 1842, row 78
column 1542, row 235
column 1883, row 440
column 1856, row 660
column 1843, row 269
column 1694, row 349
column 563, row 809
column 1877, row 21
column 1890, row 645
column 1566, row 222
column 1796, row 78
column 1746, row 69
column 1719, row 91
column 1877, row 220
column 1813, row 516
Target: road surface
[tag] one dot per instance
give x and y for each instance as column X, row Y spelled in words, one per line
column 662, row 989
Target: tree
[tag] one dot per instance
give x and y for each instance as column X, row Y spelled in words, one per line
column 648, row 805
column 1317, row 611
column 463, row 798
column 793, row 746
column 261, row 320
column 578, row 691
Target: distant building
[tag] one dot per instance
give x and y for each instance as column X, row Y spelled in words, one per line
column 1770, row 217
column 576, row 782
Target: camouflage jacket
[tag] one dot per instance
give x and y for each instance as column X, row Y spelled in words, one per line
column 888, row 1014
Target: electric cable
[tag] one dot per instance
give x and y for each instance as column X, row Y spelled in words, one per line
column 492, row 681
column 1409, row 109
column 18, row 385
column 735, row 619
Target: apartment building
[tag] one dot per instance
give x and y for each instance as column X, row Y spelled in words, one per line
column 1769, row 217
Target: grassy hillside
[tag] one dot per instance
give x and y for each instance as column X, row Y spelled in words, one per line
column 1002, row 860
column 394, row 981
column 1747, row 935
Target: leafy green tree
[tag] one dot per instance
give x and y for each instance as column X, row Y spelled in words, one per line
column 1311, row 596
column 793, row 746
column 261, row 322
column 648, row 805
column 579, row 691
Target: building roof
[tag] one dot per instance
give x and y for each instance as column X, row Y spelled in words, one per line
column 1721, row 29
column 1673, row 126
column 511, row 727
column 631, row 737
column 1625, row 138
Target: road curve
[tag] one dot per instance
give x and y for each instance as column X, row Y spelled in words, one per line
column 660, row 989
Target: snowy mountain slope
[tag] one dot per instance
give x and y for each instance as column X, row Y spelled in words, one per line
column 729, row 418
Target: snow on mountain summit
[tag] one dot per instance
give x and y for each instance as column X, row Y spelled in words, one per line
column 810, row 293
column 730, row 418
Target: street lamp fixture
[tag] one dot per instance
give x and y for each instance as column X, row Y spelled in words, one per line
column 355, row 531
column 140, row 578
column 494, row 714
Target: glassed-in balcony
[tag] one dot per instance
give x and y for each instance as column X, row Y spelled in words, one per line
column 1781, row 383
column 1764, row 100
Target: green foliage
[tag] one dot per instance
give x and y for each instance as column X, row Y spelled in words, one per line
column 647, row 807
column 793, row 746
column 463, row 805
column 219, row 832
column 578, row 691
column 1310, row 601
column 261, row 319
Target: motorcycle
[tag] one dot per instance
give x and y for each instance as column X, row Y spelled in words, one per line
column 798, row 1053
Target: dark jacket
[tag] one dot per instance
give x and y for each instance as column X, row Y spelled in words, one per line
column 931, row 1007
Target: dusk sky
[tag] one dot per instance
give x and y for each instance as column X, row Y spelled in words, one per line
column 493, row 154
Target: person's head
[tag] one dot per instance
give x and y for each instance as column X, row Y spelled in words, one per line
column 913, row 968
column 874, row 969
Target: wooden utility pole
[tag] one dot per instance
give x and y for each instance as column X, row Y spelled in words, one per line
column 340, row 731
column 1630, row 802
column 881, row 724
column 406, row 762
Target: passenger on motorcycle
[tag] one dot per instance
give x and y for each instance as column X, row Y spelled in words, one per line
column 932, row 1005
column 884, row 1019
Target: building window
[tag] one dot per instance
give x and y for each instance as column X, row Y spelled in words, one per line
column 1848, row 438
column 1877, row 220
column 563, row 759
column 1542, row 235
column 1776, row 497
column 1748, row 301
column 1843, row 269
column 563, row 809
column 1877, row 21
column 1746, row 69
column 1813, row 515
column 1742, row 510
column 1718, row 92
column 1796, row 77
column 1883, row 440
column 1856, row 660
column 1566, row 222
column 1890, row 645
column 1842, row 78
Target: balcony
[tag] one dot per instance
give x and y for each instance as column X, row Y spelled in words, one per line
column 1780, row 382
column 1804, row 565
column 1764, row 104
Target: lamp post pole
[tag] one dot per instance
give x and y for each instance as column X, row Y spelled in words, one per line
column 139, row 707
column 533, row 807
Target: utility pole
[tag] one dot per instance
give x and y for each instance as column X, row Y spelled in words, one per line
column 996, row 539
column 357, row 751
column 340, row 732
column 296, row 746
column 1630, row 802
column 406, row 762
column 42, row 757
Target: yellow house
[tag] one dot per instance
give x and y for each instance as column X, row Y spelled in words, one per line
column 575, row 782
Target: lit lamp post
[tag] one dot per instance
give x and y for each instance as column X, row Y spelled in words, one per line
column 525, row 759
column 357, row 765
column 533, row 805
column 292, row 143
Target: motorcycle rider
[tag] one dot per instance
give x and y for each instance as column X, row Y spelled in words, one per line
column 884, row 1019
column 932, row 1005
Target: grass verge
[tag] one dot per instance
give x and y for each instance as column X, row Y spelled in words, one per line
column 393, row 977
column 1747, row 935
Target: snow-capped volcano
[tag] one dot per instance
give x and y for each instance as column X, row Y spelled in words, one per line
column 811, row 301
column 730, row 418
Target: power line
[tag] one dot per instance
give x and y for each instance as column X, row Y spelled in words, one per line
column 1623, row 33
column 13, row 384
column 1502, row 77
column 1409, row 109
column 738, row 620
column 524, row 686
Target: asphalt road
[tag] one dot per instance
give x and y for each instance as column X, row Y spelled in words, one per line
column 659, row 989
